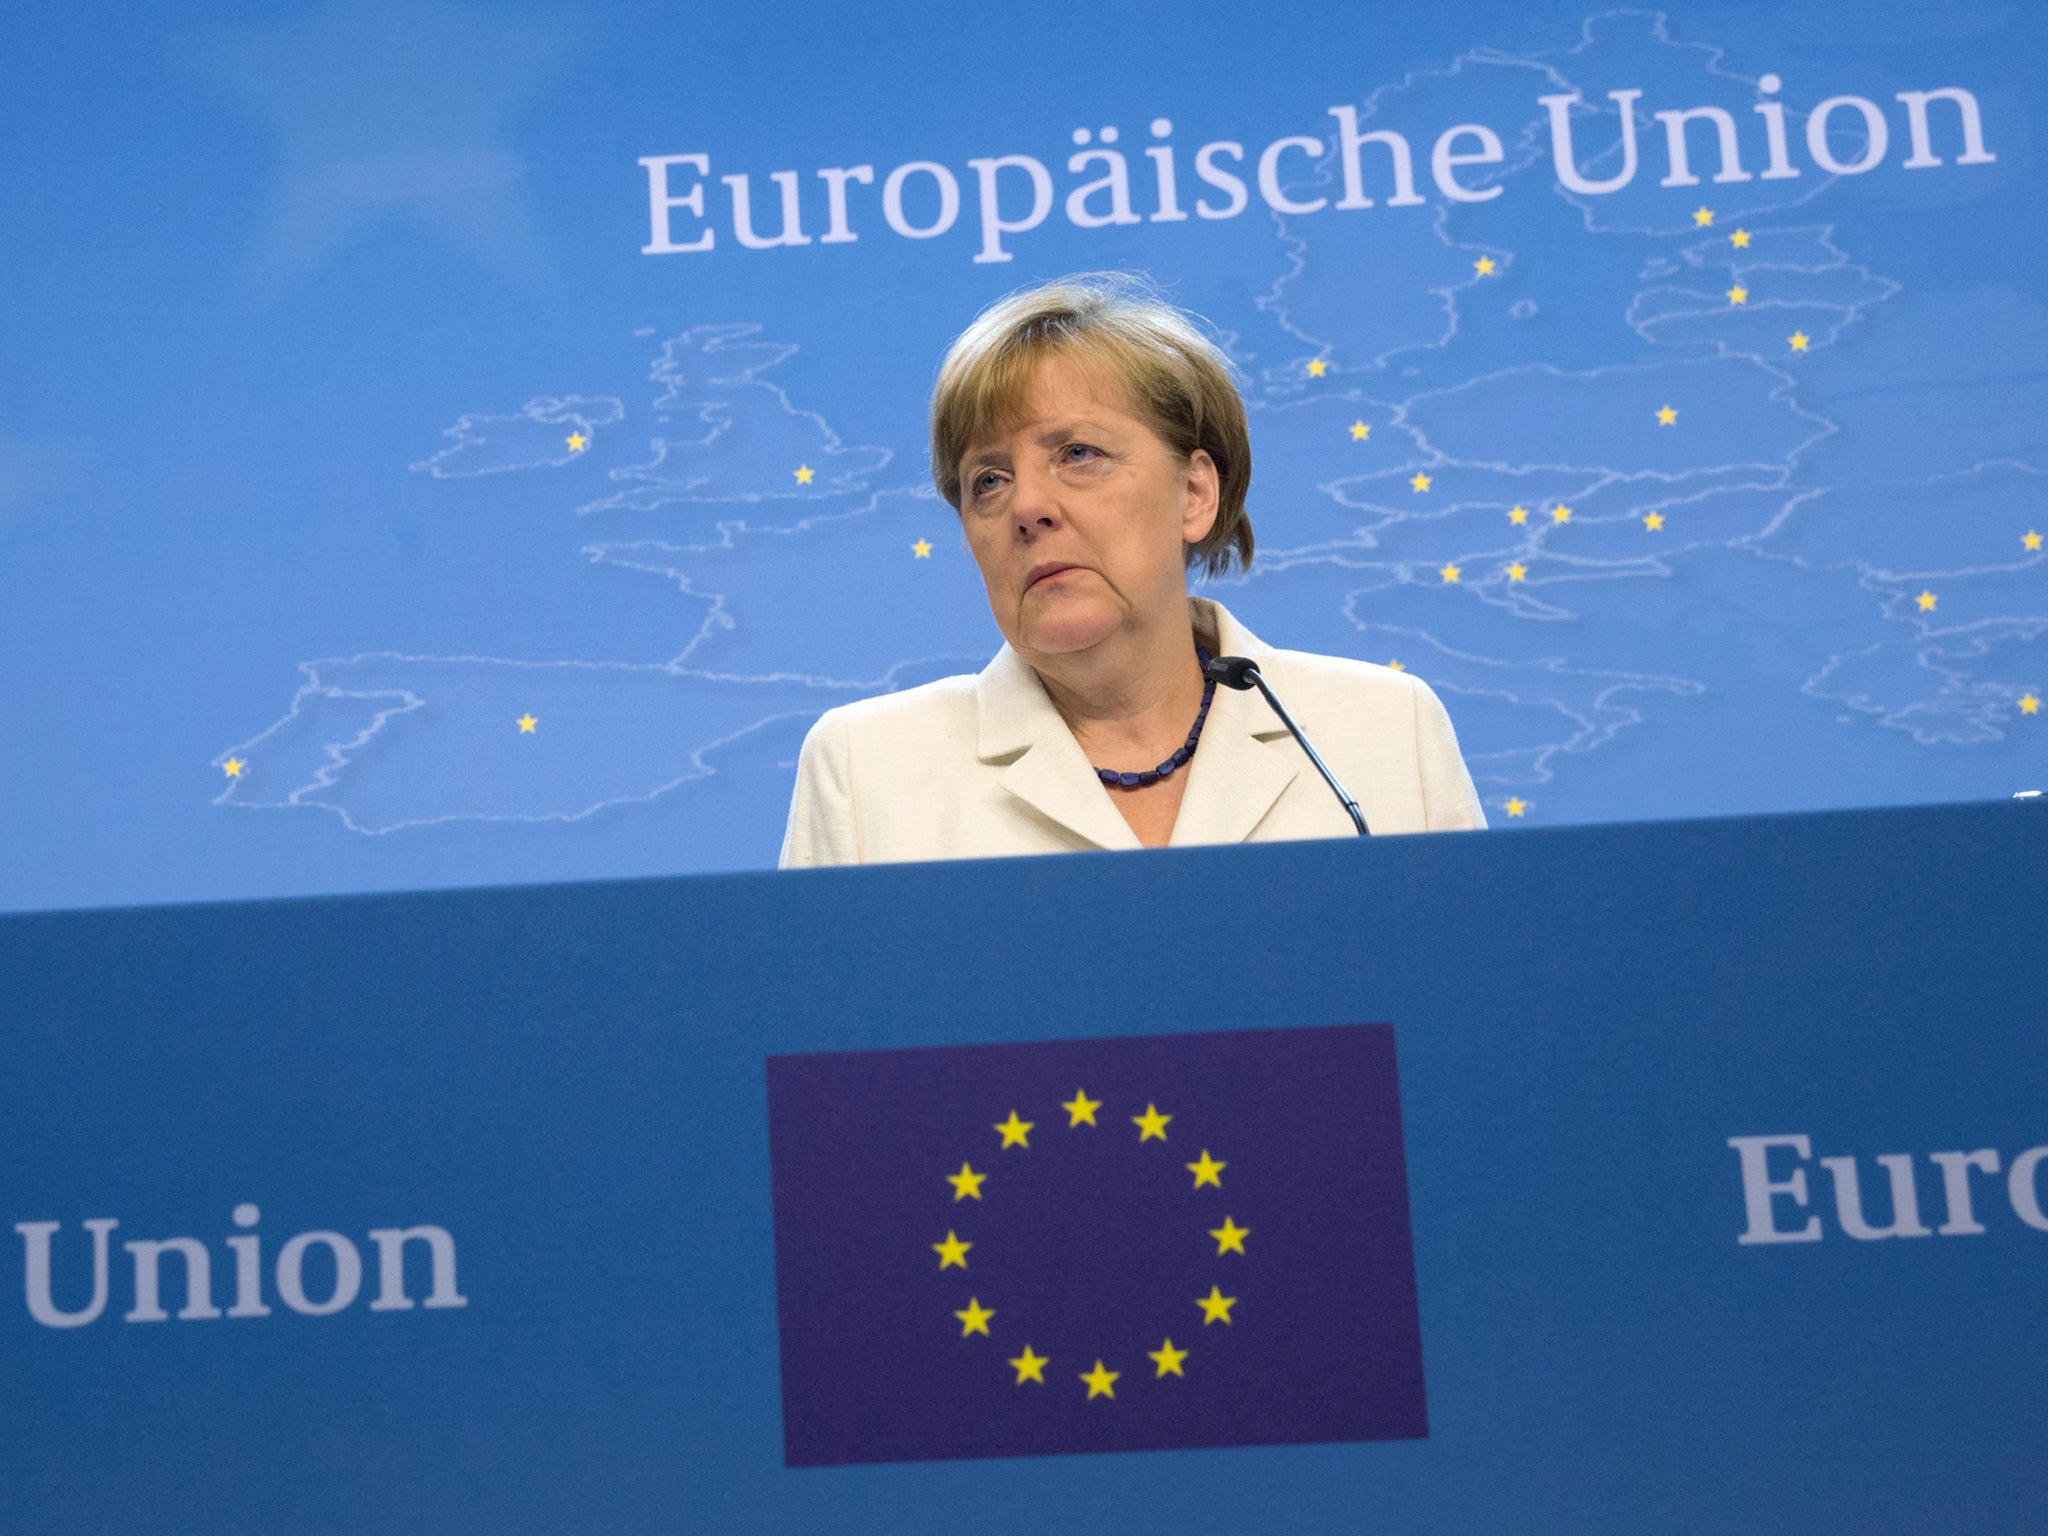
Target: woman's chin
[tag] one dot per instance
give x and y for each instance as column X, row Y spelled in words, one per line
column 1063, row 634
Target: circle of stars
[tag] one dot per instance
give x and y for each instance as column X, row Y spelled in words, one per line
column 1013, row 1134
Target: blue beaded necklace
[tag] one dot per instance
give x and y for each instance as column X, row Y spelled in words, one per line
column 1179, row 760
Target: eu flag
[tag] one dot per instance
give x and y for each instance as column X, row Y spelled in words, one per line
column 1093, row 1245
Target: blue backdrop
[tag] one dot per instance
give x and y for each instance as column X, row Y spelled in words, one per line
column 390, row 497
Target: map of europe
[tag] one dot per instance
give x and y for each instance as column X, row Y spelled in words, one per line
column 1640, row 484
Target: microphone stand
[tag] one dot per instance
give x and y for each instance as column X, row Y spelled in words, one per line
column 1242, row 672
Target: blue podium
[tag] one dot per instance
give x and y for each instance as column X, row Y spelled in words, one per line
column 1675, row 1177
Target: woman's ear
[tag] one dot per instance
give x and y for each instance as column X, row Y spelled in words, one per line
column 1204, row 490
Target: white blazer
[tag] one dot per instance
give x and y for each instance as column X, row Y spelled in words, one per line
column 983, row 766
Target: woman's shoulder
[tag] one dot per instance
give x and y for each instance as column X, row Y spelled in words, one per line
column 1365, row 679
column 943, row 706
column 1309, row 670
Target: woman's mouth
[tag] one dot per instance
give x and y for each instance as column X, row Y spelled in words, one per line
column 1050, row 571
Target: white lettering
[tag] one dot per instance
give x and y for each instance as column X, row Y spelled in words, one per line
column 743, row 212
column 1849, row 1198
column 1222, row 180
column 1924, row 157
column 348, row 1273
column 391, row 1241
column 1955, row 1188
column 1560, row 108
column 1116, row 181
column 835, row 177
column 1443, row 162
column 248, row 1265
column 1759, row 1188
column 661, row 203
column 1876, row 136
column 2020, row 1186
column 442, row 1289
column 1170, row 211
column 949, row 199
column 993, row 225
column 148, row 1254
column 1269, row 175
column 1101, row 193
column 1781, row 167
column 1674, row 146
column 1350, row 141
column 35, row 1237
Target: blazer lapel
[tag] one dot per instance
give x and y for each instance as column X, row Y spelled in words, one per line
column 1236, row 776
column 1045, row 768
column 1241, row 768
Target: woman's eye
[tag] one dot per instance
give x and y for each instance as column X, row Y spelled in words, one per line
column 1078, row 453
column 986, row 483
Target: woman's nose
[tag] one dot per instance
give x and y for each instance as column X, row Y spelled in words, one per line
column 1034, row 503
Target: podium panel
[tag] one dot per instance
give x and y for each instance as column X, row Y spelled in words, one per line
column 1694, row 1174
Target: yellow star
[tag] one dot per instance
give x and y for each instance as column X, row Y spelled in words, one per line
column 233, row 767
column 1654, row 521
column 2030, row 704
column 1738, row 294
column 1168, row 1359
column 1483, row 266
column 1799, row 341
column 1360, row 431
column 577, row 442
column 1215, row 1306
column 1317, row 367
column 1703, row 217
column 2031, row 539
column 953, row 1251
column 922, row 549
column 1081, row 1109
column 1151, row 1124
column 1666, row 416
column 1518, row 515
column 966, row 1183
column 1207, row 1171
column 1560, row 514
column 1101, row 1383
column 1927, row 600
column 1229, row 1237
column 1518, row 572
column 1397, row 666
column 1420, row 482
column 805, row 474
column 975, row 1318
column 1516, row 807
column 1740, row 239
column 1015, row 1132
column 526, row 723
column 1030, row 1367
column 1451, row 573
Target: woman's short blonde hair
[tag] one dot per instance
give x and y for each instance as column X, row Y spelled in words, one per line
column 1116, row 325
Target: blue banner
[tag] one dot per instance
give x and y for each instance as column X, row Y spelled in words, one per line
column 597, row 1207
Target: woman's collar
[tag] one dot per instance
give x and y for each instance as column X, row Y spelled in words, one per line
column 1015, row 713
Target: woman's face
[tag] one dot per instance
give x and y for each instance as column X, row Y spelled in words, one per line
column 1078, row 516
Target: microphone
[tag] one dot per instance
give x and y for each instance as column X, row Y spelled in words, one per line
column 1241, row 672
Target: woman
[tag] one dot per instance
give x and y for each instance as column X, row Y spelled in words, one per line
column 1095, row 448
